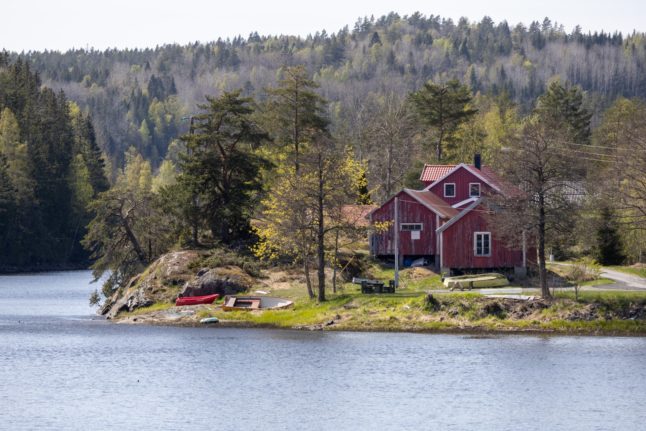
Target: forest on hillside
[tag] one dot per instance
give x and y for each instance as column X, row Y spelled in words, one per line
column 140, row 97
column 258, row 144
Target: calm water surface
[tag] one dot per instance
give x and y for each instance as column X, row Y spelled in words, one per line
column 63, row 368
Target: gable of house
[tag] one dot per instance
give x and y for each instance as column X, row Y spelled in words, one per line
column 462, row 183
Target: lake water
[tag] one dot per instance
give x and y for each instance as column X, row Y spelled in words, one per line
column 62, row 368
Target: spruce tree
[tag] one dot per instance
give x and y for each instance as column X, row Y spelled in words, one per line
column 609, row 244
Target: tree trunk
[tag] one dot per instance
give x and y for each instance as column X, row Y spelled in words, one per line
column 336, row 260
column 542, row 269
column 133, row 241
column 438, row 149
column 320, row 237
column 308, row 281
column 389, row 169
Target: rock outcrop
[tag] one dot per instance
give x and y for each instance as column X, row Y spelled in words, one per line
column 161, row 281
column 228, row 280
column 171, row 276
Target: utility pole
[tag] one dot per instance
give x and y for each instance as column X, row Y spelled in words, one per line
column 396, row 242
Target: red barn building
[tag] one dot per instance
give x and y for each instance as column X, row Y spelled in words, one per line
column 447, row 223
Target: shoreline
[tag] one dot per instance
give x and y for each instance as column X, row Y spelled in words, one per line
column 594, row 328
column 242, row 324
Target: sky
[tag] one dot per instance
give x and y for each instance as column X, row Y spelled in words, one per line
column 36, row 25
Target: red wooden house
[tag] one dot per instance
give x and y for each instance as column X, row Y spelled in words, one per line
column 447, row 223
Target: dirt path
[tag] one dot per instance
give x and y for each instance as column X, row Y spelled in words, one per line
column 631, row 282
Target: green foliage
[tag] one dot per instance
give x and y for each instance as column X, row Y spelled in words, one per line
column 220, row 177
column 130, row 228
column 443, row 108
column 391, row 53
column 47, row 163
column 304, row 208
column 95, row 298
column 565, row 103
column 294, row 113
column 609, row 243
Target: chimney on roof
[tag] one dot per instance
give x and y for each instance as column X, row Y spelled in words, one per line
column 477, row 161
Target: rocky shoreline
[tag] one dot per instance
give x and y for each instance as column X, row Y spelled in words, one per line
column 149, row 298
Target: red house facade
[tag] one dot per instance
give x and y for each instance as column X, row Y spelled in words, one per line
column 448, row 223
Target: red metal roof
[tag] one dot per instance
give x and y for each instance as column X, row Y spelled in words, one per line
column 431, row 173
column 430, row 199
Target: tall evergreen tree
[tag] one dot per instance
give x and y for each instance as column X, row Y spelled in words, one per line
column 222, row 167
column 609, row 244
column 566, row 102
column 295, row 112
column 7, row 208
column 443, row 108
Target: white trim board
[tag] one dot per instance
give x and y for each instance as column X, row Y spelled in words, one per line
column 466, row 201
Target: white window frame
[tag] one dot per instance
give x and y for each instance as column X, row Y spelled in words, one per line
column 475, row 243
column 401, row 227
column 454, row 190
column 479, row 190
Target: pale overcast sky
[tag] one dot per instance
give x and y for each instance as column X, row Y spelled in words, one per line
column 64, row 24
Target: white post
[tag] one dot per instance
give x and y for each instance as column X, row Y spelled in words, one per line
column 396, row 242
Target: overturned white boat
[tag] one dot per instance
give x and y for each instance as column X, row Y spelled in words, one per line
column 476, row 281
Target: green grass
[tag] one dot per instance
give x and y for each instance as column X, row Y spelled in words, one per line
column 598, row 282
column 604, row 296
column 639, row 272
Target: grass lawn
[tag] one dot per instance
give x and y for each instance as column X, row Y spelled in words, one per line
column 598, row 282
column 454, row 312
column 605, row 296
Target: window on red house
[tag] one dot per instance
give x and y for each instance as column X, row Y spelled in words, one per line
column 482, row 243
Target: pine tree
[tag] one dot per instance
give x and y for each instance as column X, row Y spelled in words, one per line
column 295, row 112
column 222, row 169
column 566, row 102
column 443, row 108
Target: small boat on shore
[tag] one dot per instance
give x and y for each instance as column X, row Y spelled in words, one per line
column 195, row 300
column 477, row 281
column 247, row 303
column 209, row 320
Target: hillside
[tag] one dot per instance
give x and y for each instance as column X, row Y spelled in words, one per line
column 139, row 97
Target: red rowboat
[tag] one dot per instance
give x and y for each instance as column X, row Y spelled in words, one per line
column 195, row 300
